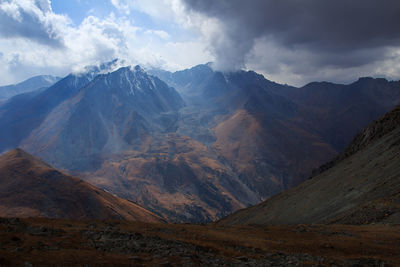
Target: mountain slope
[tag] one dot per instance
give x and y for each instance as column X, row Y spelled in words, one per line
column 185, row 80
column 115, row 112
column 176, row 177
column 298, row 129
column 30, row 187
column 221, row 173
column 249, row 126
column 338, row 112
column 23, row 113
column 29, row 85
column 361, row 187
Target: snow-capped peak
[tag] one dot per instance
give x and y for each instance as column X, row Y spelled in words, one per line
column 134, row 79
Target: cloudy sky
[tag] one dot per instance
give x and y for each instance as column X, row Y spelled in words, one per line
column 289, row 41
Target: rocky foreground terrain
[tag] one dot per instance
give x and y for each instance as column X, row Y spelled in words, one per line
column 43, row 242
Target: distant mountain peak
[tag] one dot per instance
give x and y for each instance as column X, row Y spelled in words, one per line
column 133, row 79
column 91, row 71
column 32, row 84
column 138, row 68
column 133, row 69
column 363, row 80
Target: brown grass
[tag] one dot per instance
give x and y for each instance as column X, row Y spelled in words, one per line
column 335, row 243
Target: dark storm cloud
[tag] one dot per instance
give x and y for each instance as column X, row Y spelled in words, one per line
column 29, row 26
column 322, row 27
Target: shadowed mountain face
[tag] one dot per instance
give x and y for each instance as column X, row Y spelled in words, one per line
column 224, row 142
column 339, row 112
column 359, row 187
column 30, row 187
column 32, row 84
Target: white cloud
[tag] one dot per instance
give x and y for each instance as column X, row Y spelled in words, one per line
column 11, row 10
column 162, row 34
column 35, row 40
column 42, row 42
column 43, row 5
column 297, row 42
column 160, row 9
column 298, row 67
column 121, row 5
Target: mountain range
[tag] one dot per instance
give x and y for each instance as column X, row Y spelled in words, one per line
column 315, row 223
column 193, row 145
column 32, row 84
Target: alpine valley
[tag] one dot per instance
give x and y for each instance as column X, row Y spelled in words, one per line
column 192, row 145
